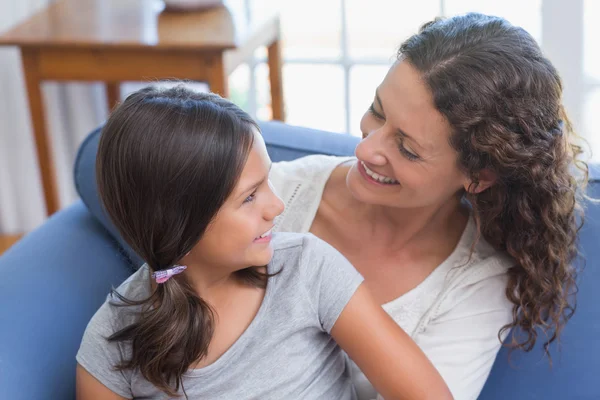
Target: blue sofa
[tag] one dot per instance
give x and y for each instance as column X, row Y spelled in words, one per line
column 54, row 279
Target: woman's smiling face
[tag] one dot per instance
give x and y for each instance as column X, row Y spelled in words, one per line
column 405, row 158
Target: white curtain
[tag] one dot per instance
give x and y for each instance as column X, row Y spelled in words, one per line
column 72, row 109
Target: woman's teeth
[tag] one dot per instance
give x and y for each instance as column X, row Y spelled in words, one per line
column 379, row 178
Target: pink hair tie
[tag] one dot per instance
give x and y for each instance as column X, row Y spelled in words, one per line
column 163, row 275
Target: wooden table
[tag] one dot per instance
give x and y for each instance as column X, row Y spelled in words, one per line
column 135, row 40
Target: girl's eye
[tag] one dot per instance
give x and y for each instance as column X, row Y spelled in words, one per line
column 250, row 198
column 375, row 113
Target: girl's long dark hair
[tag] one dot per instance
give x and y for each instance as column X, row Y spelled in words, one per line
column 167, row 161
column 502, row 98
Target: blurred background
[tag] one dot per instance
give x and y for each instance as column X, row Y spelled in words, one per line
column 335, row 54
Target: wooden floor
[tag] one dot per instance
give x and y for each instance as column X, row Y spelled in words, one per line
column 7, row 240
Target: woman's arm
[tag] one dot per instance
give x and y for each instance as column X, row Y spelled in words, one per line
column 89, row 388
column 390, row 359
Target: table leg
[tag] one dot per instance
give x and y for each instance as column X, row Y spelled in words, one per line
column 6, row 241
column 274, row 53
column 42, row 138
column 218, row 79
column 113, row 94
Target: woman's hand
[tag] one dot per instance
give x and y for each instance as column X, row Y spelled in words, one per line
column 389, row 358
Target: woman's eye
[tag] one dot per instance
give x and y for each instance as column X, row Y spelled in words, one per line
column 375, row 113
column 410, row 156
column 406, row 153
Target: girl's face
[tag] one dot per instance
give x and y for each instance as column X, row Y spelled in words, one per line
column 240, row 234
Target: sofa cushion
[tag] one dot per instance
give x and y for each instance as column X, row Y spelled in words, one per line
column 284, row 143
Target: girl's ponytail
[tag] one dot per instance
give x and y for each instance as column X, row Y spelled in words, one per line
column 173, row 330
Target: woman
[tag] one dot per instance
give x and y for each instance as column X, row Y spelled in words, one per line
column 460, row 209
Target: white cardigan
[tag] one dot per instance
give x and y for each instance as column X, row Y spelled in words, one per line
column 454, row 315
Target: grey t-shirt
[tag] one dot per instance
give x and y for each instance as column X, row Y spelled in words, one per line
column 285, row 353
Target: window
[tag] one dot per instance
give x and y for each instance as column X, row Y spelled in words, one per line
column 336, row 52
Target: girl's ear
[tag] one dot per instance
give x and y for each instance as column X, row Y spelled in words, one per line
column 487, row 179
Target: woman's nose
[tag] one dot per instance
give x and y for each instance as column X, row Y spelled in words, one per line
column 372, row 148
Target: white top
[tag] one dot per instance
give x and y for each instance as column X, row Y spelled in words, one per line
column 454, row 315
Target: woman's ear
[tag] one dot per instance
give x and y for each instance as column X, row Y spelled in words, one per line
column 486, row 179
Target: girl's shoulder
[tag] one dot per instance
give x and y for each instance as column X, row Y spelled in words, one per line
column 302, row 244
column 306, row 255
column 309, row 271
column 114, row 314
column 137, row 286
column 291, row 248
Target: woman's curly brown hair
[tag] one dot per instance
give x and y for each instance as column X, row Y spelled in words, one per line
column 502, row 98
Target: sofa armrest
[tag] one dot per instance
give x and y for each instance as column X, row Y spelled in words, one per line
column 52, row 282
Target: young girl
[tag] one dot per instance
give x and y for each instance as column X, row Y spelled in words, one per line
column 223, row 309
